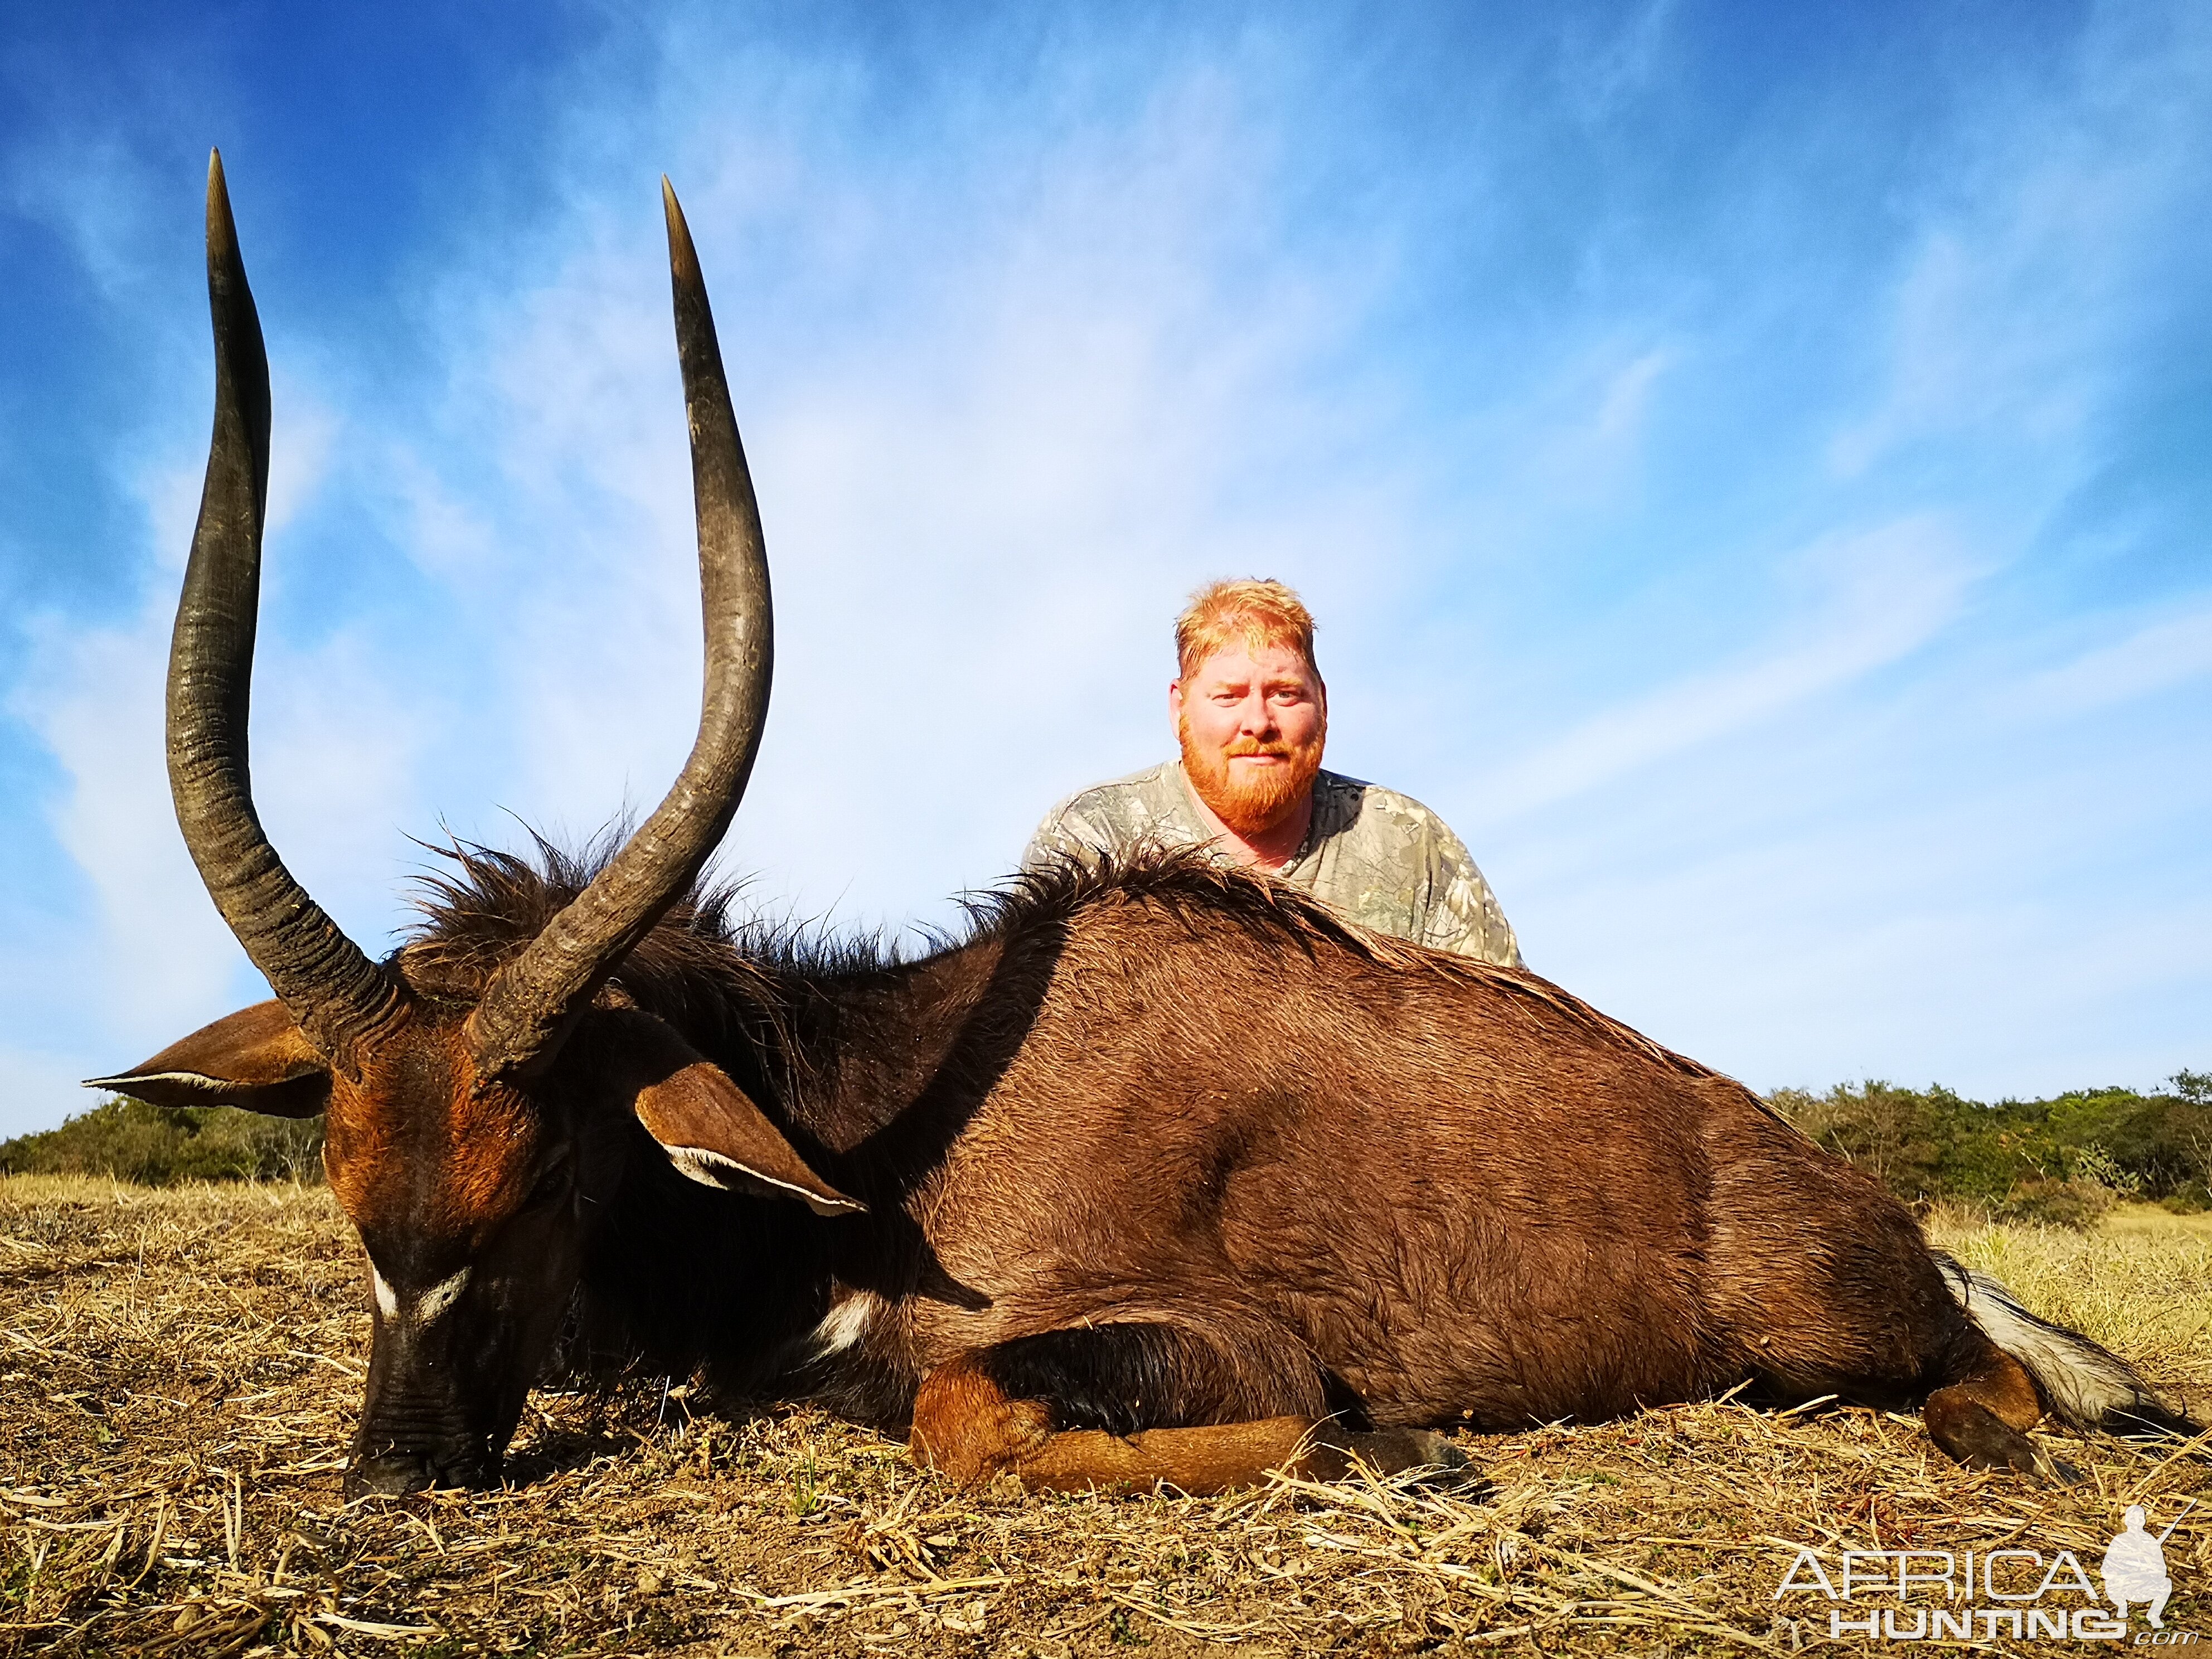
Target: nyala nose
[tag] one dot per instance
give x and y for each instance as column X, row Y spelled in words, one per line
column 395, row 1474
column 390, row 1475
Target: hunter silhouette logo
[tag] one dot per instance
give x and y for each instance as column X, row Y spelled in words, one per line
column 2023, row 1593
column 2135, row 1566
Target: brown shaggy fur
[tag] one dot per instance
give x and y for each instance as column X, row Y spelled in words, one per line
column 1159, row 1144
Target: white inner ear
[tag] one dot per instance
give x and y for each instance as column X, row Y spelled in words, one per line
column 198, row 1080
column 708, row 1168
column 712, row 1169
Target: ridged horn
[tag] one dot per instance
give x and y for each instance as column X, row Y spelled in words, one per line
column 338, row 996
column 518, row 1025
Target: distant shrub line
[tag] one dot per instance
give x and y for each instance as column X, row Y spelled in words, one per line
column 2062, row 1161
column 162, row 1145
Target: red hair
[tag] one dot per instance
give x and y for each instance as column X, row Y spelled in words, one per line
column 1252, row 613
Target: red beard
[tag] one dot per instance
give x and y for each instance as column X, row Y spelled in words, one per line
column 1261, row 799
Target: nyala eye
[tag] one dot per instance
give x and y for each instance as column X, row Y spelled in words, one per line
column 552, row 1182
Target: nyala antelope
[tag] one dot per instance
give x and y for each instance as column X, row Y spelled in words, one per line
column 1163, row 1175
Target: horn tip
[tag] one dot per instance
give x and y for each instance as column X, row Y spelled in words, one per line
column 683, row 257
column 221, row 232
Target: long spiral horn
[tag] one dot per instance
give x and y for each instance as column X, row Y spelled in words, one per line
column 338, row 996
column 519, row 1024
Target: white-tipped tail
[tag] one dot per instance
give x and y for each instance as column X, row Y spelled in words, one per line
column 2084, row 1385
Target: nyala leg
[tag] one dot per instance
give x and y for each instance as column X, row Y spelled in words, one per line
column 1131, row 1406
column 1982, row 1418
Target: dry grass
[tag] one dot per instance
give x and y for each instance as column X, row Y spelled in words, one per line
column 178, row 1371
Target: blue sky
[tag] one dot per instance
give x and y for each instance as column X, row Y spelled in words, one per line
column 1749, row 463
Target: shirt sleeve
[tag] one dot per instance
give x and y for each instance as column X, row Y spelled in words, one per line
column 1065, row 834
column 1464, row 915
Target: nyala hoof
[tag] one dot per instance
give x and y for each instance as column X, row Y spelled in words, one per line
column 1396, row 1451
column 2056, row 1470
column 1976, row 1438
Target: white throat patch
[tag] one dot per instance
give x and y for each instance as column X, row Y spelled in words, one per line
column 843, row 1326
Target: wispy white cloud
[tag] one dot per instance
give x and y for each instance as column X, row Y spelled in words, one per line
column 2024, row 283
column 331, row 750
column 1013, row 384
column 331, row 746
column 2163, row 654
column 91, row 188
column 1605, row 62
column 983, row 502
column 1890, row 591
column 98, row 709
column 1812, row 956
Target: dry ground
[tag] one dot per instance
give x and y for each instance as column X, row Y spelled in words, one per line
column 178, row 1371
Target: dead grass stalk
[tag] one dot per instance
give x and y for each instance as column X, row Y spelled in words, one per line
column 178, row 1371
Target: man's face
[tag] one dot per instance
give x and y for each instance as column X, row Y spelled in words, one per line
column 1252, row 723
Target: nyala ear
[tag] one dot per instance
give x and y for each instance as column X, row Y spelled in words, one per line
column 714, row 1134
column 256, row 1059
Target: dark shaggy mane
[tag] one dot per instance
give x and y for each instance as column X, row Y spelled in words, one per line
column 703, row 960
column 479, row 912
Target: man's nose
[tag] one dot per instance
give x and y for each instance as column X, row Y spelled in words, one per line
column 1258, row 718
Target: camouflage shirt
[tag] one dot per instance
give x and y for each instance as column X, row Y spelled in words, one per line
column 1374, row 856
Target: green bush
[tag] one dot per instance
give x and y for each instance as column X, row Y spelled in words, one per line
column 2063, row 1161
column 161, row 1146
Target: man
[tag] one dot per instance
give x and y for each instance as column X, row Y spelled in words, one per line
column 1251, row 713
